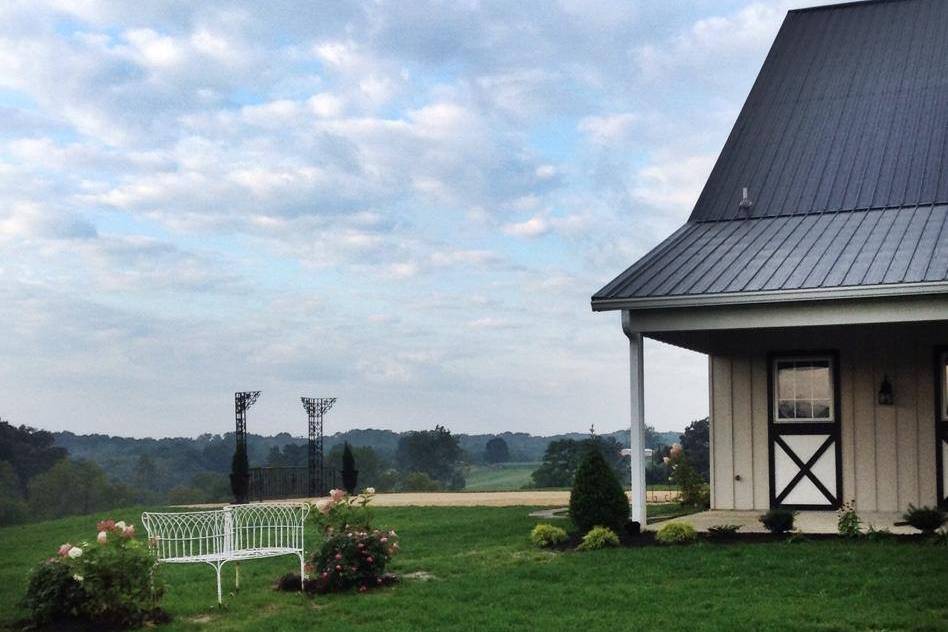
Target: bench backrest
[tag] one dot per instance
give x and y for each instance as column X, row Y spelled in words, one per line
column 221, row 532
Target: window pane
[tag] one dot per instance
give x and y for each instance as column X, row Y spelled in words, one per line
column 804, row 410
column 785, row 409
column 821, row 409
column 785, row 380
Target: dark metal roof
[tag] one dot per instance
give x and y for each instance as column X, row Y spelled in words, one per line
column 798, row 252
column 843, row 146
column 850, row 111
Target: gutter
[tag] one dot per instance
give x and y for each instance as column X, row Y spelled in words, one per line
column 771, row 296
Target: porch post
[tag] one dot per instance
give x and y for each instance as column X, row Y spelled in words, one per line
column 637, row 437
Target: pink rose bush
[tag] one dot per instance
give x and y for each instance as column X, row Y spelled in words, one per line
column 109, row 582
column 353, row 553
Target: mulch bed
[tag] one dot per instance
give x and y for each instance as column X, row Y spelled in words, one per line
column 291, row 583
column 628, row 540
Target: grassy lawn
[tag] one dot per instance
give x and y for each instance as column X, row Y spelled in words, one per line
column 482, row 574
column 498, row 478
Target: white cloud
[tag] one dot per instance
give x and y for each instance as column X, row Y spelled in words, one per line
column 533, row 227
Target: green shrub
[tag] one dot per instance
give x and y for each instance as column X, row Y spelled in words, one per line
column 676, row 533
column 107, row 583
column 597, row 498
column 778, row 520
column 723, row 531
column 546, row 535
column 848, row 522
column 925, row 519
column 598, row 538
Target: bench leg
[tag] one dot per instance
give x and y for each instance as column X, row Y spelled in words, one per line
column 302, row 574
column 220, row 601
column 236, row 576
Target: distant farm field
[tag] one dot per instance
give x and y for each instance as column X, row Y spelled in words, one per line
column 499, row 478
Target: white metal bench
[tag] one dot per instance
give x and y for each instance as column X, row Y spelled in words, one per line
column 230, row 534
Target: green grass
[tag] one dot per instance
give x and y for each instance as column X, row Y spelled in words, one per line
column 498, row 478
column 485, row 575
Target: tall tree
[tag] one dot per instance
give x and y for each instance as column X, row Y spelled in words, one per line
column 696, row 445
column 496, row 451
column 432, row 452
column 29, row 451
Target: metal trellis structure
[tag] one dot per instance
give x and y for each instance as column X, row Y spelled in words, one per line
column 316, row 407
column 242, row 401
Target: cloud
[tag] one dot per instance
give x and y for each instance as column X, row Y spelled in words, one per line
column 534, row 227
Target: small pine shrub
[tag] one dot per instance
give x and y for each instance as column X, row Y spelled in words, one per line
column 350, row 475
column 598, row 538
column 778, row 520
column 547, row 535
column 848, row 522
column 597, row 498
column 925, row 519
column 723, row 531
column 676, row 533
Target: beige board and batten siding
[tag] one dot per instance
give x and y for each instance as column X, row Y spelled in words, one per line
column 888, row 452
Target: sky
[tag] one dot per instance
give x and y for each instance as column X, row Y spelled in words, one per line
column 405, row 205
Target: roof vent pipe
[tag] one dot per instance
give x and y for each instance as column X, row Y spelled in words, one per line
column 746, row 204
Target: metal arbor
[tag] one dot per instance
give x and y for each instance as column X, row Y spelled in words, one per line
column 316, row 407
column 242, row 401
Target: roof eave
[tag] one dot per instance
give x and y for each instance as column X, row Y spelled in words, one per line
column 773, row 296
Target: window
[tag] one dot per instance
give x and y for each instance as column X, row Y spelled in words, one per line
column 803, row 389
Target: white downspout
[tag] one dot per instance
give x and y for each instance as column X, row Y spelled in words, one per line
column 637, row 437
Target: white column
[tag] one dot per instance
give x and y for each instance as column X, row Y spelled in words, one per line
column 637, row 438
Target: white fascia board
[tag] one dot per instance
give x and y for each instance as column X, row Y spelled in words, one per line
column 894, row 309
column 772, row 296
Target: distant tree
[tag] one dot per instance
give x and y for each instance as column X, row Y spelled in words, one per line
column 74, row 487
column 13, row 508
column 417, row 482
column 240, row 475
column 211, row 486
column 562, row 458
column 695, row 443
column 29, row 451
column 496, row 451
column 433, row 452
column 350, row 475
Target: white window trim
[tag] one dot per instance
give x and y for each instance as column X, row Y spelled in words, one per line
column 776, row 391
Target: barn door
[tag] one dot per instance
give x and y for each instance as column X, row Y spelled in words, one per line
column 804, row 432
column 941, row 424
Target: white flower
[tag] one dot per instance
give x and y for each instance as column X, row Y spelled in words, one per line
column 370, row 490
column 120, row 526
column 78, row 578
column 102, row 537
column 75, row 552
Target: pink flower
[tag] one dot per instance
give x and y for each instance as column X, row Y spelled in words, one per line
column 128, row 532
column 369, row 559
column 337, row 494
column 338, row 567
column 103, row 537
column 383, row 540
column 338, row 556
column 323, row 506
column 105, row 525
column 64, row 549
column 361, row 588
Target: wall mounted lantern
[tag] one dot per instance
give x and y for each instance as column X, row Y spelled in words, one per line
column 886, row 397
